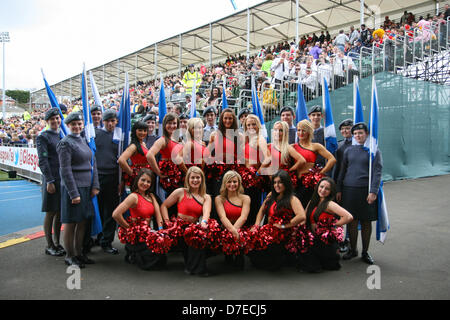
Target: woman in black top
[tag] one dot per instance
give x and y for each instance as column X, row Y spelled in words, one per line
column 46, row 144
column 79, row 184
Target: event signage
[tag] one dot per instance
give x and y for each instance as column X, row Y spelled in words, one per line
column 23, row 158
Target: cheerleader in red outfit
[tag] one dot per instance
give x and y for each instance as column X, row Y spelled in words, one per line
column 256, row 155
column 320, row 208
column 142, row 204
column 223, row 147
column 136, row 152
column 194, row 152
column 193, row 204
column 309, row 151
column 280, row 201
column 170, row 154
column 233, row 207
column 283, row 155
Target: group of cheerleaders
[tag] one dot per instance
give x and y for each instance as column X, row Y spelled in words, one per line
column 236, row 195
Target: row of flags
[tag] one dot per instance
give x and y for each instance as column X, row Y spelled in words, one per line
column 122, row 132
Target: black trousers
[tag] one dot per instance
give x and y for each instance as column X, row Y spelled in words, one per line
column 108, row 200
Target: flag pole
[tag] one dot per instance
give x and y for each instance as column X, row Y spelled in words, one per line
column 370, row 135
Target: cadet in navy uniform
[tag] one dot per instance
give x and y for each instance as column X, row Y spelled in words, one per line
column 108, row 177
column 51, row 181
column 210, row 116
column 79, row 183
column 353, row 189
column 96, row 113
column 315, row 115
column 150, row 120
column 345, row 129
column 287, row 115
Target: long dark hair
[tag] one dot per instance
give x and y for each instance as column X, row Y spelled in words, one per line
column 134, row 139
column 285, row 202
column 222, row 128
column 134, row 187
column 315, row 200
column 169, row 117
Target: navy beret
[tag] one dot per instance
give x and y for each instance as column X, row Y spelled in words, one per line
column 243, row 111
column 96, row 107
column 73, row 117
column 346, row 123
column 209, row 109
column 316, row 108
column 360, row 126
column 149, row 117
column 109, row 114
column 50, row 113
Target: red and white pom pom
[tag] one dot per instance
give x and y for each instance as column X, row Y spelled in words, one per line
column 195, row 236
column 300, row 240
column 327, row 232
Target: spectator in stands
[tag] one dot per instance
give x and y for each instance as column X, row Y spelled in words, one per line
column 366, row 36
column 341, row 40
column 280, row 66
column 354, row 35
column 213, row 100
column 316, row 51
column 189, row 77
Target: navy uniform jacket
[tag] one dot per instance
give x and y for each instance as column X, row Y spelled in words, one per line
column 46, row 143
column 207, row 133
column 354, row 171
column 319, row 138
column 106, row 153
column 75, row 161
column 342, row 146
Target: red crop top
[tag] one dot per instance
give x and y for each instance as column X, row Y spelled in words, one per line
column 138, row 158
column 323, row 216
column 197, row 153
column 232, row 211
column 144, row 208
column 171, row 148
column 224, row 148
column 190, row 206
column 276, row 154
column 309, row 155
column 255, row 155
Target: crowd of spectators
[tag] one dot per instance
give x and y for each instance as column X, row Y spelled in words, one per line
column 307, row 62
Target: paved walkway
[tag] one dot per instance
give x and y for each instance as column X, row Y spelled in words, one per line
column 413, row 264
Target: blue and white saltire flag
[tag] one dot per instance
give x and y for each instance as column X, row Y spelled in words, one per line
column 383, row 219
column 54, row 103
column 358, row 114
column 122, row 131
column 89, row 133
column 329, row 130
column 97, row 99
column 162, row 111
column 162, row 107
column 233, row 4
column 224, row 94
column 89, row 130
column 257, row 108
column 193, row 110
column 301, row 113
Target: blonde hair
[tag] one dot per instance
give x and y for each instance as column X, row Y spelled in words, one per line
column 284, row 143
column 192, row 122
column 307, row 126
column 254, row 117
column 226, row 178
column 197, row 170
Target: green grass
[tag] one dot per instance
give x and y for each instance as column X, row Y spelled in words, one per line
column 4, row 176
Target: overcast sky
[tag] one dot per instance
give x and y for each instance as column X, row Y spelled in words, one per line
column 59, row 35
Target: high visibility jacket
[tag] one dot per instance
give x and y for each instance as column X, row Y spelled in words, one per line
column 189, row 79
column 26, row 116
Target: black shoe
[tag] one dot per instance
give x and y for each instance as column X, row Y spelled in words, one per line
column 365, row 256
column 188, row 272
column 350, row 254
column 343, row 247
column 73, row 261
column 53, row 252
column 84, row 259
column 60, row 249
column 110, row 250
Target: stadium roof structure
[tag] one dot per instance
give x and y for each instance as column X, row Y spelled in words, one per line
column 270, row 22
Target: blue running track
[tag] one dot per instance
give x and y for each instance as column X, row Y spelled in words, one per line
column 20, row 206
